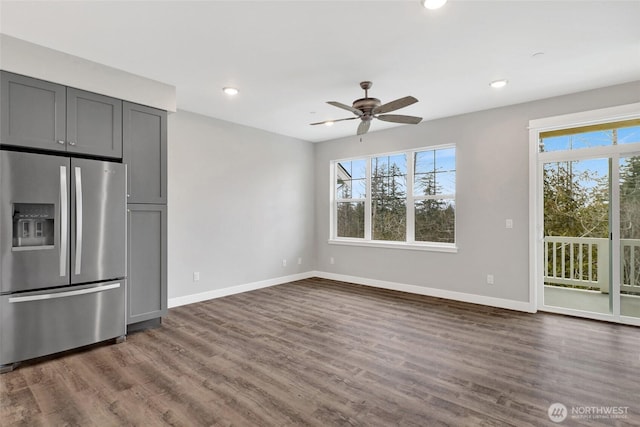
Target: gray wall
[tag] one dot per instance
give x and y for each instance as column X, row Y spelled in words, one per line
column 240, row 200
column 492, row 185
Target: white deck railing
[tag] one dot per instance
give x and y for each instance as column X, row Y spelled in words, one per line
column 630, row 260
column 580, row 261
column 584, row 261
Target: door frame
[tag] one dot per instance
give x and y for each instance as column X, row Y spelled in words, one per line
column 536, row 214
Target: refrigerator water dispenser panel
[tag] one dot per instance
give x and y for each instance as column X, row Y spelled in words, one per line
column 33, row 226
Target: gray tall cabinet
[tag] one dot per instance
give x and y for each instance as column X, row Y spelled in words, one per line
column 145, row 153
column 44, row 116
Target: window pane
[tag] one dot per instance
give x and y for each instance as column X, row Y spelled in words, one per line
column 359, row 189
column 389, row 218
column 435, row 172
column 624, row 132
column 389, row 165
column 446, row 160
column 350, row 219
column 629, row 135
column 350, row 179
column 446, row 183
column 343, row 189
column 358, row 169
column 425, row 184
column 425, row 161
column 352, row 169
column 435, row 221
column 578, row 141
column 388, row 197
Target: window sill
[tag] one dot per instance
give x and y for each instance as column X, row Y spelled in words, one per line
column 432, row 247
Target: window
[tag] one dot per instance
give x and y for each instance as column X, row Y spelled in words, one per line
column 604, row 134
column 398, row 199
column 434, row 192
column 389, row 197
column 351, row 188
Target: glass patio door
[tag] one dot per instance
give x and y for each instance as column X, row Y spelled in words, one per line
column 576, row 245
column 629, row 187
column 589, row 217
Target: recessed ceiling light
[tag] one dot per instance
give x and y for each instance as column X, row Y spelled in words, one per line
column 433, row 4
column 328, row 123
column 230, row 90
column 497, row 84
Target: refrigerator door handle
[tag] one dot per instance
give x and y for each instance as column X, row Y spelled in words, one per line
column 64, row 294
column 64, row 221
column 78, row 262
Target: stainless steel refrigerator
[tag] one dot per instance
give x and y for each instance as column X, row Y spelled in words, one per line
column 62, row 254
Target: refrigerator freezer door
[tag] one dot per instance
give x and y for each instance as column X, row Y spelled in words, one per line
column 98, row 221
column 34, row 207
column 35, row 324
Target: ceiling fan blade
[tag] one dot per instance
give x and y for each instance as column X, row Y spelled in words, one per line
column 398, row 118
column 364, row 127
column 395, row 105
column 333, row 121
column 345, row 107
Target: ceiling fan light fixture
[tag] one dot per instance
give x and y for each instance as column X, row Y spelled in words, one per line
column 497, row 84
column 230, row 90
column 366, row 109
column 432, row 4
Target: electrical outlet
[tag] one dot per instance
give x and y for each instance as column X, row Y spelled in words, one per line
column 284, row 262
column 196, row 276
column 508, row 223
column 490, row 279
column 332, row 261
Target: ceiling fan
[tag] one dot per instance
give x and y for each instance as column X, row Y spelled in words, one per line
column 367, row 109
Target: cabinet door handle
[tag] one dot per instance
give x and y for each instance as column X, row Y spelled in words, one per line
column 61, row 142
column 72, row 143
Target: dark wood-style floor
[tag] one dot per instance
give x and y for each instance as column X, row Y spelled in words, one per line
column 323, row 353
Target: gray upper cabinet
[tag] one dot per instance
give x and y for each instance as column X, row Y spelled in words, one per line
column 49, row 116
column 32, row 113
column 145, row 153
column 94, row 124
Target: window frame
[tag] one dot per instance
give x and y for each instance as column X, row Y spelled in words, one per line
column 409, row 243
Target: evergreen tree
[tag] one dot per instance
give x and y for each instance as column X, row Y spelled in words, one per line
column 573, row 206
column 630, row 199
column 434, row 218
column 350, row 215
column 388, row 202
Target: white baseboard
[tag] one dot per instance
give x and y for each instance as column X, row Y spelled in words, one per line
column 412, row 289
column 237, row 289
column 432, row 292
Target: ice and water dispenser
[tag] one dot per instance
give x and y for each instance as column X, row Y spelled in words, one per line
column 33, row 226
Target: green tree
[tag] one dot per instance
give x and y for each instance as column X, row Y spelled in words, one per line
column 388, row 202
column 630, row 199
column 576, row 204
column 434, row 218
column 350, row 215
column 630, row 217
column 573, row 205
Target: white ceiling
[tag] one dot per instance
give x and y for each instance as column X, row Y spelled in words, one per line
column 289, row 57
